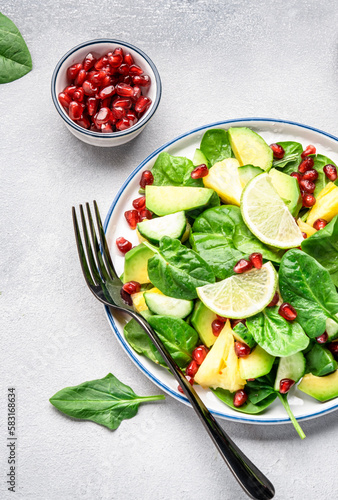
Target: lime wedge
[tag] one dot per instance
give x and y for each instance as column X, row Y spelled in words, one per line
column 241, row 295
column 267, row 216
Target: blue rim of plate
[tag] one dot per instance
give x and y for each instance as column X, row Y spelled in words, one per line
column 90, row 133
column 120, row 337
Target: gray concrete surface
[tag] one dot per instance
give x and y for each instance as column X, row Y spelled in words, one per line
column 217, row 60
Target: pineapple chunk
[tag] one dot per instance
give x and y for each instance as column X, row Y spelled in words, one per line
column 138, row 299
column 328, row 188
column 306, row 228
column 221, row 367
column 224, row 178
column 324, row 208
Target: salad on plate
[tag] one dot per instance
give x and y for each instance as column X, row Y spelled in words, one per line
column 237, row 268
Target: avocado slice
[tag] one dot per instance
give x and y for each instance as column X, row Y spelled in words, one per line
column 165, row 200
column 250, row 148
column 320, row 361
column 201, row 320
column 321, row 388
column 288, row 189
column 257, row 364
column 136, row 264
column 248, row 172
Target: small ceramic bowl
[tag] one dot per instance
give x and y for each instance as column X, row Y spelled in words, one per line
column 98, row 48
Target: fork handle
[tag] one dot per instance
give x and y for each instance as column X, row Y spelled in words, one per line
column 250, row 478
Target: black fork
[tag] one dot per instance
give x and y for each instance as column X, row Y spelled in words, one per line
column 103, row 282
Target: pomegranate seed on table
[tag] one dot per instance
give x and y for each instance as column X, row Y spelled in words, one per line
column 89, row 88
column 199, row 354
column 139, row 203
column 78, row 95
column 192, row 368
column 145, row 214
column 278, row 151
column 308, row 200
column 128, row 59
column 310, row 175
column 307, row 186
column 287, row 311
column 319, row 224
column 123, row 245
column 131, row 287
column 285, row 385
column 256, row 259
column 330, row 171
column 274, row 300
column 304, row 235
column 309, row 150
column 64, row 99
column 73, row 71
column 243, row 266
column 235, row 322
column 240, row 398
column 306, row 164
column 75, row 110
column 242, row 350
column 323, row 338
column 333, row 347
column 199, row 171
column 217, row 326
column 147, row 179
column 89, row 61
column 132, row 217
column 142, row 104
column 141, row 80
column 297, row 175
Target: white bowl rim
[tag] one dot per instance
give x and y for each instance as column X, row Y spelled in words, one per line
column 122, row 133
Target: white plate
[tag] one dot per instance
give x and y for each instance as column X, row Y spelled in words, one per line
column 303, row 406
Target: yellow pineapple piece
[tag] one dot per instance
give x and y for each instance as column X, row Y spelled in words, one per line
column 328, row 188
column 224, row 178
column 138, row 299
column 326, row 208
column 306, row 228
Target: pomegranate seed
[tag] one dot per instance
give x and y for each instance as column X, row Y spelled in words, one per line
column 250, row 379
column 83, row 122
column 89, row 61
column 307, row 186
column 256, row 259
column 124, row 90
column 128, row 59
column 235, row 322
column 330, row 171
column 105, row 103
column 304, row 235
column 132, row 218
column 310, row 175
column 118, row 112
column 322, row 338
column 180, row 389
column 107, row 92
column 131, row 116
column 106, row 81
column 97, row 77
column 221, row 318
column 126, row 297
column 78, row 95
column 147, row 179
column 123, row 245
column 333, row 347
column 285, row 385
column 297, row 176
column 242, row 349
column 274, row 300
column 287, row 311
column 127, row 79
column 123, row 70
column 115, row 60
column 139, row 203
column 64, row 99
column 306, row 164
column 81, row 76
column 199, row 354
column 145, row 214
column 243, row 266
column 190, row 380
column 199, row 171
column 192, row 368
column 106, row 128
column 319, row 224
column 141, row 80
column 75, row 110
column 217, row 326
column 101, row 63
column 119, row 50
column 135, row 70
column 309, row 150
column 240, row 398
column 89, row 88
column 142, row 104
column 132, row 287
column 122, row 124
column 136, row 93
column 70, row 90
column 308, row 200
column 122, row 102
column 92, row 105
column 73, row 71
column 278, row 151
column 103, row 116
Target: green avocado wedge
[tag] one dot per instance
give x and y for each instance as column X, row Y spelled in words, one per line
column 250, row 148
column 165, row 200
column 321, row 388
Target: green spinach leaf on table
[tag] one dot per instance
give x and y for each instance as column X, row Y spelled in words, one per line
column 171, row 170
column 106, row 401
column 289, row 163
column 323, row 246
column 215, row 145
column 177, row 270
column 308, row 286
column 15, row 59
column 141, row 343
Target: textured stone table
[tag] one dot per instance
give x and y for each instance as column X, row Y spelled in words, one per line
column 217, row 60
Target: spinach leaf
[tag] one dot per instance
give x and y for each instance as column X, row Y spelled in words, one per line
column 215, row 145
column 177, row 336
column 276, row 335
column 174, row 171
column 251, row 407
column 319, row 163
column 15, row 59
column 176, row 270
column 323, row 246
column 289, row 163
column 106, row 401
column 307, row 285
column 141, row 343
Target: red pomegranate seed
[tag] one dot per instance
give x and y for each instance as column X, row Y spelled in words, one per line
column 235, row 322
column 304, row 235
column 287, row 311
column 122, row 124
column 145, row 214
column 118, row 112
column 131, row 116
column 97, row 77
column 221, row 318
column 127, row 79
column 141, row 80
column 132, row 287
column 243, row 266
column 64, row 99
column 308, row 200
column 75, row 110
column 103, row 116
column 190, row 380
column 274, row 300
column 123, row 70
column 330, row 171
column 199, row 171
column 333, row 347
column 81, row 76
column 192, row 368
column 136, row 93
column 278, row 151
column 309, row 150
column 89, row 88
column 256, row 259
column 107, row 92
column 128, row 59
column 92, row 105
column 142, row 104
column 147, row 179
column 89, row 61
column 319, row 224
column 139, row 203
column 106, row 128
column 322, row 338
column 240, row 398
column 115, row 60
column 101, row 63
column 83, row 122
column 135, row 70
column 119, row 50
column 307, row 186
column 199, row 354
column 122, row 102
column 124, row 90
column 285, row 385
column 73, row 71
column 70, row 90
column 310, row 175
column 250, row 379
column 217, row 326
column 297, row 176
column 78, row 95
column 242, row 349
column 123, row 245
column 132, row 218
column 306, row 164
column 126, row 297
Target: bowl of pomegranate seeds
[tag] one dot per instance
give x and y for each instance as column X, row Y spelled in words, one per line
column 106, row 91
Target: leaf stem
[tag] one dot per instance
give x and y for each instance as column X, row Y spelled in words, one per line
column 146, row 399
column 284, row 400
